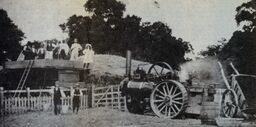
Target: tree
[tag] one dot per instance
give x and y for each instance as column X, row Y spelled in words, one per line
column 109, row 14
column 78, row 27
column 109, row 10
column 214, row 50
column 102, row 29
column 247, row 13
column 111, row 32
column 241, row 48
column 126, row 34
column 157, row 44
column 10, row 36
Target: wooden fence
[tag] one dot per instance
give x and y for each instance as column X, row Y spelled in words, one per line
column 23, row 104
column 109, row 96
column 16, row 105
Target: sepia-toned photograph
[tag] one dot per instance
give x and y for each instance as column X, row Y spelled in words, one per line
column 127, row 63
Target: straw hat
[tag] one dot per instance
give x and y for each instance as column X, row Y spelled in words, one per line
column 88, row 46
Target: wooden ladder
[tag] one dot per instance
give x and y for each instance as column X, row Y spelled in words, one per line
column 24, row 77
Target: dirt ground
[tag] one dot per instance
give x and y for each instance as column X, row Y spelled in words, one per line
column 100, row 117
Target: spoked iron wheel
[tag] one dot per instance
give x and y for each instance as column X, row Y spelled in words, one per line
column 169, row 99
column 159, row 70
column 229, row 103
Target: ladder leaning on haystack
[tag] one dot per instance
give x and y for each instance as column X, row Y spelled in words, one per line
column 24, row 77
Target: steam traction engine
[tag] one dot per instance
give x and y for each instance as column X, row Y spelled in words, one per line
column 160, row 91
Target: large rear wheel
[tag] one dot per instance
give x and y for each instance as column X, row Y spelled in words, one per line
column 169, row 99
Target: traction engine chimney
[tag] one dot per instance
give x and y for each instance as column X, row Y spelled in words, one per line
column 128, row 63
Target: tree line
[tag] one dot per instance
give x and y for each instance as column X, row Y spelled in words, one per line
column 10, row 36
column 241, row 48
column 110, row 32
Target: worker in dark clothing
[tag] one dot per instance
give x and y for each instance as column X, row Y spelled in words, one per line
column 41, row 51
column 76, row 98
column 57, row 94
column 29, row 51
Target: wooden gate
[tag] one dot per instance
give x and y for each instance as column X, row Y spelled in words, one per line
column 109, row 96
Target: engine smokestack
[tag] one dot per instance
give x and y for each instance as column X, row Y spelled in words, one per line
column 128, row 63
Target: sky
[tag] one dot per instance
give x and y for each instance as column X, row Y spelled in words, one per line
column 200, row 22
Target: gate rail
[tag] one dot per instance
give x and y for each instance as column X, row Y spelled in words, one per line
column 109, row 96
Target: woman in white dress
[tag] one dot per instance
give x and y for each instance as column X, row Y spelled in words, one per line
column 75, row 48
column 63, row 50
column 88, row 55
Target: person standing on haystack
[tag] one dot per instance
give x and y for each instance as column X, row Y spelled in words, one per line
column 29, row 51
column 75, row 48
column 88, row 55
column 49, row 50
column 41, row 51
column 63, row 50
column 77, row 93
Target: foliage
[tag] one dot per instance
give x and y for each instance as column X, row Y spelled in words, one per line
column 241, row 48
column 157, row 44
column 110, row 32
column 109, row 9
column 103, row 80
column 10, row 36
column 214, row 50
column 247, row 13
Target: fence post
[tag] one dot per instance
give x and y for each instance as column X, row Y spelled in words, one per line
column 28, row 92
column 71, row 98
column 118, row 97
column 1, row 101
column 112, row 97
column 92, row 95
column 1, row 93
column 29, row 100
column 125, row 107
